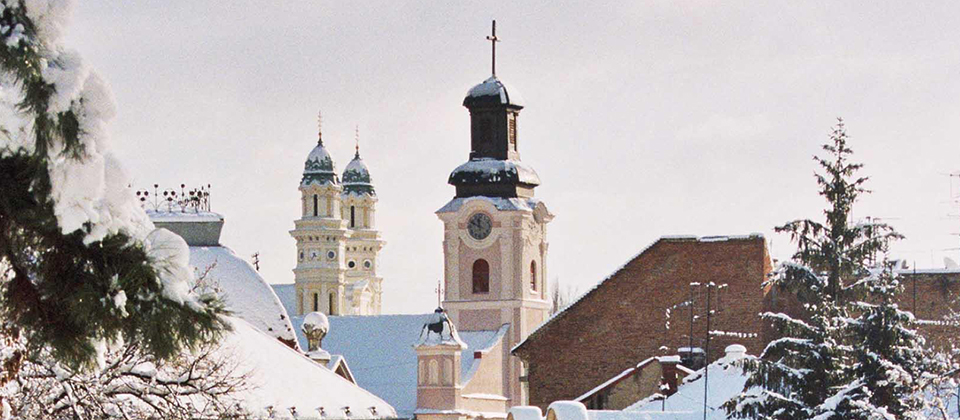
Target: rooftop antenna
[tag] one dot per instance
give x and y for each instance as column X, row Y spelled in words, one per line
column 493, row 43
column 319, row 129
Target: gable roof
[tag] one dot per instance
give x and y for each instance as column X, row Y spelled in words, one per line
column 285, row 378
column 674, row 238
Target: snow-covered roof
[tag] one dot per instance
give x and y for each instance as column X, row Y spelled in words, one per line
column 356, row 178
column 380, row 350
column 502, row 204
column 668, row 238
column 194, row 226
column 183, row 216
column 726, row 380
column 493, row 91
column 242, row 289
column 493, row 171
column 282, row 377
column 319, row 167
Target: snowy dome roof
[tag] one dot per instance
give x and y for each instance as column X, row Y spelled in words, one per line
column 319, row 167
column 316, row 320
column 493, row 171
column 493, row 92
column 356, row 177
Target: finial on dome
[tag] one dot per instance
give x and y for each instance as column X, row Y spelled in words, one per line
column 357, row 140
column 319, row 128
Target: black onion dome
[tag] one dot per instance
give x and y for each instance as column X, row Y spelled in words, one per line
column 493, row 92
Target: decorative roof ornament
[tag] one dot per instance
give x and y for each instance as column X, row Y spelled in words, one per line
column 493, row 44
column 319, row 128
column 357, row 140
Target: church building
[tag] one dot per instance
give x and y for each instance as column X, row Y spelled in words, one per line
column 337, row 240
column 452, row 363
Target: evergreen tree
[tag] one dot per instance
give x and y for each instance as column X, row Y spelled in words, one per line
column 797, row 373
column 80, row 265
column 885, row 380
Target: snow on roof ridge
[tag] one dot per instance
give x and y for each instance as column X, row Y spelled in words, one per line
column 617, row 271
column 711, row 238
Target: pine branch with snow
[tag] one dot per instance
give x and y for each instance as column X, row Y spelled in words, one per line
column 80, row 263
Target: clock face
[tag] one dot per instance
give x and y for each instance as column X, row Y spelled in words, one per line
column 479, row 226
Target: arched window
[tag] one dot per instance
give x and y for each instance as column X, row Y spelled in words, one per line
column 533, row 276
column 481, row 276
column 315, row 210
column 353, row 217
column 421, row 373
column 331, row 304
column 316, row 302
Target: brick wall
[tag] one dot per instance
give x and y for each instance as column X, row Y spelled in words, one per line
column 623, row 321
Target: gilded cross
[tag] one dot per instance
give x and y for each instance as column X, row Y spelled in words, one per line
column 493, row 42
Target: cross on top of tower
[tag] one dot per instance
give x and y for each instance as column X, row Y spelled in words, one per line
column 319, row 128
column 493, row 42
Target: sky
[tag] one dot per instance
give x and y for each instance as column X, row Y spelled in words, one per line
column 643, row 119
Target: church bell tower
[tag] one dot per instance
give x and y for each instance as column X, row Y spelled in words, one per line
column 495, row 246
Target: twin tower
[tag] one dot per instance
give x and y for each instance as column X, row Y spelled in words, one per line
column 337, row 240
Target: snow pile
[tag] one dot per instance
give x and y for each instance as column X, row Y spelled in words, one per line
column 567, row 410
column 524, row 412
column 282, row 378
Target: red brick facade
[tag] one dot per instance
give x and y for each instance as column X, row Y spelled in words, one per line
column 623, row 320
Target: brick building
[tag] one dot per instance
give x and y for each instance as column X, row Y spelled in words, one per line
column 641, row 308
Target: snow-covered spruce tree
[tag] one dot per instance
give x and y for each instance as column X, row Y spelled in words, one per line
column 81, row 266
column 797, row 372
column 891, row 363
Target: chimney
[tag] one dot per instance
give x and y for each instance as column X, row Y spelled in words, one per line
column 669, row 378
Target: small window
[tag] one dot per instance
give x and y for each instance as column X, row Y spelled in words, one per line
column 331, row 304
column 315, row 205
column 533, row 276
column 301, row 255
column 351, row 264
column 316, row 302
column 481, row 276
column 353, row 217
column 512, row 135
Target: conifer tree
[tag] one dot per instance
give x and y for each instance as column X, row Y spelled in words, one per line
column 80, row 264
column 890, row 358
column 797, row 372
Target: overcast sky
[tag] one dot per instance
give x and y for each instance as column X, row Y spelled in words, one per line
column 643, row 119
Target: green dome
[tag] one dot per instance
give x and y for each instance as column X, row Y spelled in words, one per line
column 356, row 178
column 319, row 168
